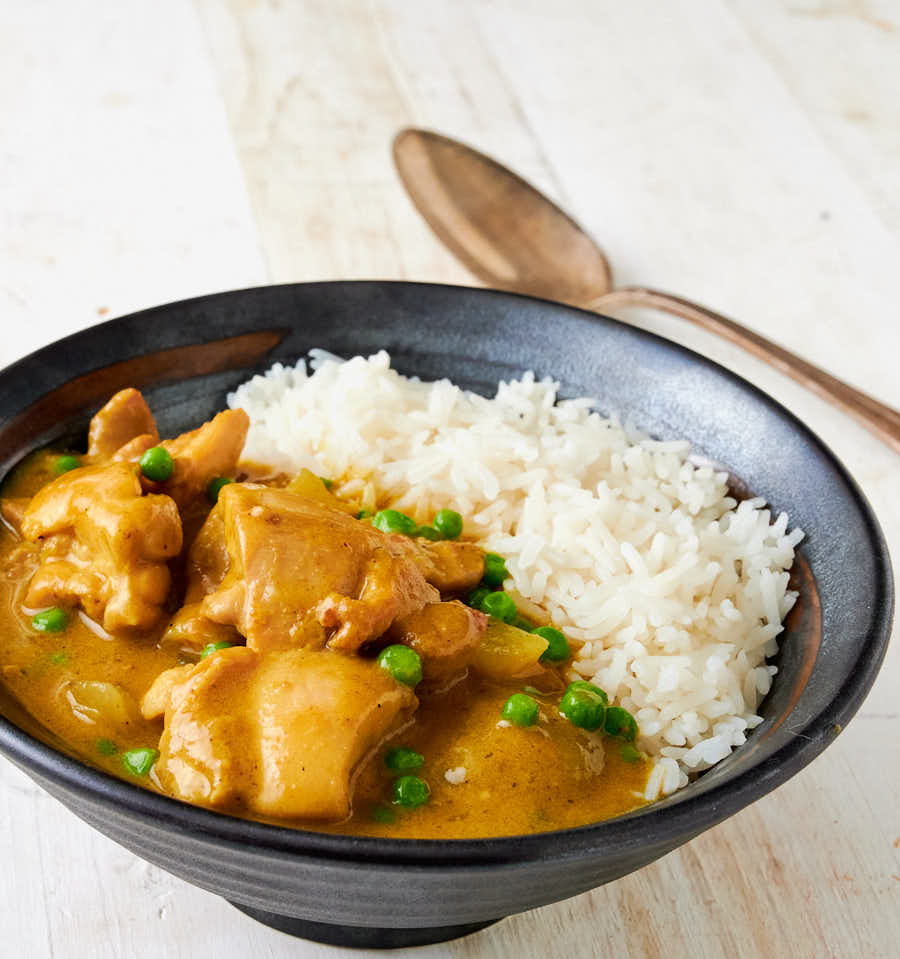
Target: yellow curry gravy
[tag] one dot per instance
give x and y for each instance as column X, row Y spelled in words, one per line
column 486, row 777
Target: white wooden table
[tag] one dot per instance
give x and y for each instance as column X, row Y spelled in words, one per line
column 742, row 152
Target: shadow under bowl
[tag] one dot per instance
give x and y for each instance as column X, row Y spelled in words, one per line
column 357, row 891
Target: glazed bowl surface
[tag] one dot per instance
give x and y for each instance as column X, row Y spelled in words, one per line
column 187, row 356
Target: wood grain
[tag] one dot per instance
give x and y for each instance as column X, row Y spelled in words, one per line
column 739, row 152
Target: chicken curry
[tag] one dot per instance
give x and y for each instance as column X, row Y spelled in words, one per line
column 262, row 646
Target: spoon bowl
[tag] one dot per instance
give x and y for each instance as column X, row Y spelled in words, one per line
column 505, row 231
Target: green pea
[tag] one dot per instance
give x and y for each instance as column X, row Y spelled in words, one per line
column 557, row 645
column 393, row 521
column 630, row 754
column 383, row 814
column 65, row 463
column 401, row 759
column 157, row 464
column 403, row 663
column 448, row 523
column 59, row 658
column 501, row 606
column 584, row 684
column 523, row 624
column 53, row 620
column 139, row 762
column 621, row 724
column 327, row 483
column 476, row 597
column 584, row 705
column 211, row 648
column 521, row 710
column 495, row 571
column 410, row 791
column 429, row 532
column 106, row 747
column 215, row 487
column 364, row 514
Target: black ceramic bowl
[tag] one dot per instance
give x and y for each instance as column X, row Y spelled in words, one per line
column 186, row 356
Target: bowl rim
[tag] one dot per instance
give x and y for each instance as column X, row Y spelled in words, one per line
column 656, row 823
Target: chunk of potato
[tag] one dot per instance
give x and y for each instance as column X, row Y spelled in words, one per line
column 310, row 486
column 506, row 651
column 99, row 703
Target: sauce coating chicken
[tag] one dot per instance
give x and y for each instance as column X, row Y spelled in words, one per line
column 451, row 567
column 301, row 573
column 124, row 429
column 104, row 546
column 445, row 635
column 124, row 419
column 280, row 734
column 286, row 570
column 199, row 456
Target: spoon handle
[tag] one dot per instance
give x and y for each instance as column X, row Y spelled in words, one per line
column 881, row 419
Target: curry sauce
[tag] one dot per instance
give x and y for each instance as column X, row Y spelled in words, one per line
column 509, row 780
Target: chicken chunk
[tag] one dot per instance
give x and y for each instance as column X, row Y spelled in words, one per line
column 203, row 454
column 301, row 573
column 207, row 559
column 452, row 567
column 134, row 449
column 158, row 697
column 205, row 750
column 125, row 417
column 205, row 567
column 280, row 735
column 445, row 635
column 104, row 546
column 125, row 429
column 190, row 630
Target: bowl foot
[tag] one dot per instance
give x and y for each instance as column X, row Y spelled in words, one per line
column 360, row 937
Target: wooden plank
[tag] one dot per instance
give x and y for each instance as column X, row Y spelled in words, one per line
column 840, row 61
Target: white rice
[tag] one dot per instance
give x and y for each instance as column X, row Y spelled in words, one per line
column 677, row 591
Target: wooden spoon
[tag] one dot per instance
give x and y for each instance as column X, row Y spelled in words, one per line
column 513, row 238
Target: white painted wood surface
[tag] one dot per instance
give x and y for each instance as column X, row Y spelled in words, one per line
column 743, row 152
